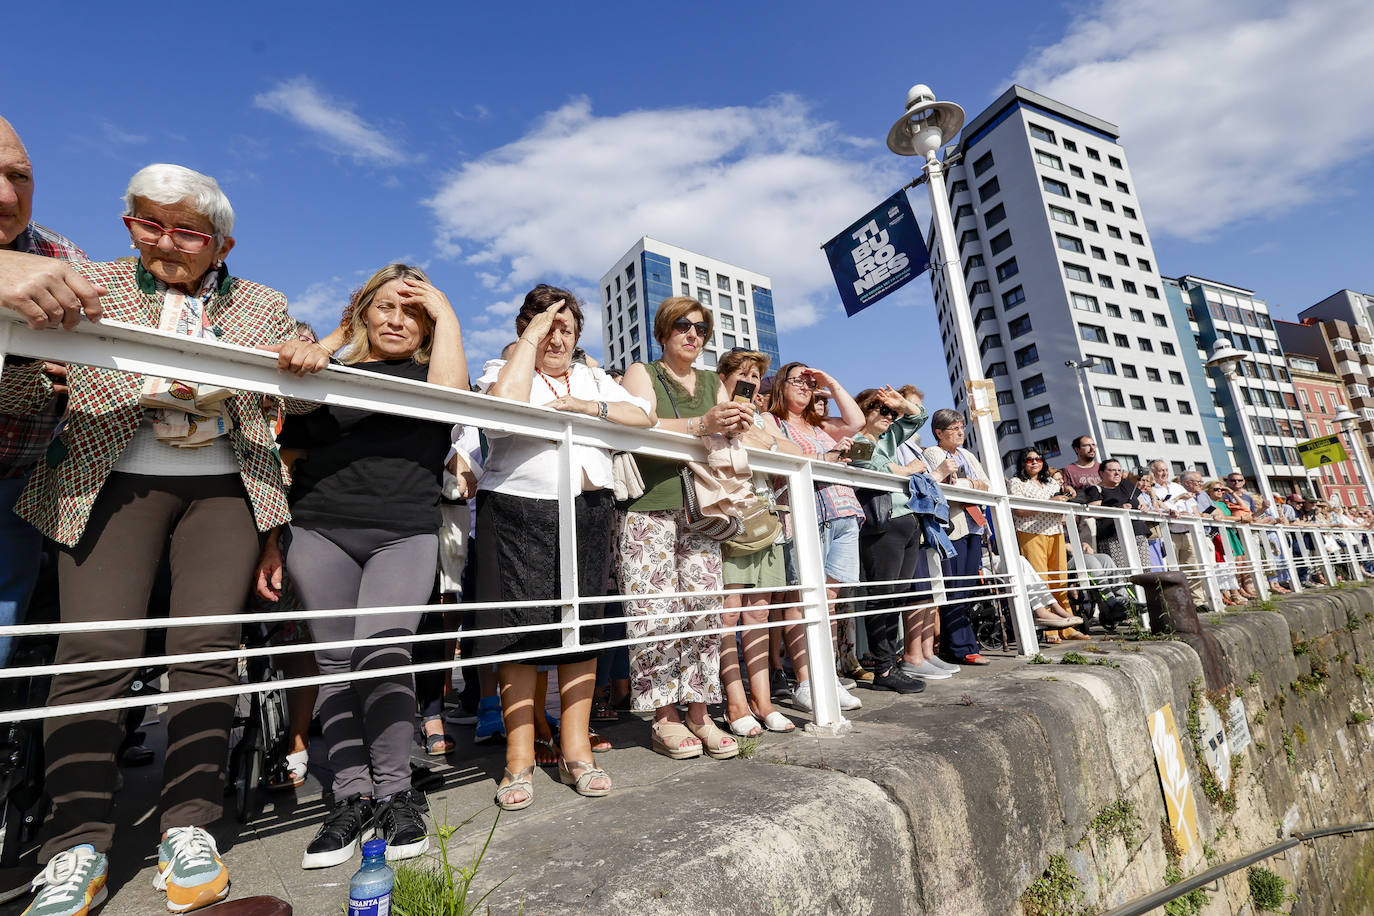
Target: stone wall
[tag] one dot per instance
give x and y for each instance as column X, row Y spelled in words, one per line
column 1043, row 780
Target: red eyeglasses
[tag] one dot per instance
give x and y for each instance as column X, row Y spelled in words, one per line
column 147, row 232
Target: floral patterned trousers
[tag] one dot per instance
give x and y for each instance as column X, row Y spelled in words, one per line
column 658, row 555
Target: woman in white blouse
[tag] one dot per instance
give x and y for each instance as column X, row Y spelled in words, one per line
column 518, row 537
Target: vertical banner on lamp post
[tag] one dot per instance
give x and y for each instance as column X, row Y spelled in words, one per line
column 882, row 252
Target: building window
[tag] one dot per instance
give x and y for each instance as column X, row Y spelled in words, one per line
column 1113, row 232
column 1099, row 179
column 988, row 189
column 1054, row 187
column 1128, row 212
column 1108, row 397
column 703, row 295
column 1171, row 437
column 1092, row 333
column 973, row 261
column 958, row 187
column 1027, row 356
column 1184, row 407
column 1105, row 281
column 1050, row 160
column 1070, row 145
column 1032, row 386
column 1048, row 447
column 984, row 314
column 1121, row 259
column 1040, row 417
column 994, row 216
column 1166, row 348
column 723, row 282
column 1113, row 311
column 1098, row 253
column 1108, row 206
column 982, row 286
column 1019, row 326
column 1116, row 163
column 970, row 235
column 963, row 211
column 1138, row 315
column 686, row 290
column 982, row 164
column 1160, row 321
column 1082, row 198
column 1075, row 171
column 995, row 370
column 1041, row 133
column 1129, row 371
column 682, row 269
column 1146, row 434
column 725, row 302
column 634, row 335
column 1151, row 292
column 1116, row 429
column 1137, row 402
column 1090, row 224
column 1128, row 286
column 1193, row 438
column 1105, row 366
column 1151, row 374
column 1121, row 341
column 1076, row 272
column 727, row 322
column 1013, row 297
column 1084, row 303
column 1000, row 243
column 630, row 293
column 739, row 287
column 1005, row 398
column 703, row 276
column 1060, row 215
column 1068, row 243
column 1007, row 269
column 1145, row 344
column 1161, row 405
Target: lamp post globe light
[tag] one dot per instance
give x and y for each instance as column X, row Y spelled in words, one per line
column 925, row 127
column 1080, row 368
column 1226, row 359
column 1347, row 421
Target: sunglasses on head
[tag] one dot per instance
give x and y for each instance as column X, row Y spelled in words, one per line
column 682, row 326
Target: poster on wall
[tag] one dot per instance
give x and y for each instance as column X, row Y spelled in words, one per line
column 1174, row 777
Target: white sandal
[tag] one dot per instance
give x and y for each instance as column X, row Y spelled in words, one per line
column 777, row 722
column 746, row 727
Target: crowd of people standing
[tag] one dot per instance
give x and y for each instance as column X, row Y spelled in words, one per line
column 343, row 508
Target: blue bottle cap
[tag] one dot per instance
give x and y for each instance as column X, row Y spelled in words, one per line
column 374, row 849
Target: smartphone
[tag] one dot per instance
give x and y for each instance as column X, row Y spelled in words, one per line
column 858, row 451
column 744, row 392
column 1209, row 510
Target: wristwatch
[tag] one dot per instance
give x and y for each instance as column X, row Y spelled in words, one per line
column 602, row 410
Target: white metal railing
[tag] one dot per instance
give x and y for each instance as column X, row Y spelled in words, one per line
column 1293, row 553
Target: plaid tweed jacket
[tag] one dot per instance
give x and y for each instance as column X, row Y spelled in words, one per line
column 103, row 411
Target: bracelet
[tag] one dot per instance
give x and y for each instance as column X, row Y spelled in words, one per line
column 603, row 410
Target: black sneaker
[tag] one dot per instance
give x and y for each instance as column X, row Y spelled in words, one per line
column 348, row 823
column 898, row 682
column 401, row 822
column 777, row 684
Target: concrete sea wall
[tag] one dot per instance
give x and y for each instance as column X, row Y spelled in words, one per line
column 1037, row 792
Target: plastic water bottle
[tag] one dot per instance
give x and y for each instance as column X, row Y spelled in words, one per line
column 369, row 890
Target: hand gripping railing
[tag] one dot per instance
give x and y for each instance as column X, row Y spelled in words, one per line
column 113, row 345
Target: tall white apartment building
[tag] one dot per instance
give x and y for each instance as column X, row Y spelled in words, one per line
column 651, row 271
column 1058, row 265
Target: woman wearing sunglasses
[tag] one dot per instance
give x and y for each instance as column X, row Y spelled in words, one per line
column 1040, row 535
column 1220, row 496
column 890, row 549
column 143, row 462
column 658, row 554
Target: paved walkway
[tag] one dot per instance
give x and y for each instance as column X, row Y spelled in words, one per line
column 535, row 844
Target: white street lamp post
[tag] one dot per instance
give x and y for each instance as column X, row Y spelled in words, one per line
column 1227, row 359
column 925, row 127
column 1347, row 420
column 1080, row 368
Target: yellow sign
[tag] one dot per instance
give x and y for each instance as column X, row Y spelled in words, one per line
column 1174, row 777
column 982, row 398
column 1317, row 452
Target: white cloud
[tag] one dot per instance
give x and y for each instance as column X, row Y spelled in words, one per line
column 321, row 303
column 333, row 121
column 118, row 136
column 759, row 186
column 1230, row 109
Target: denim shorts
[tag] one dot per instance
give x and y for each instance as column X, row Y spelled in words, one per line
column 840, row 548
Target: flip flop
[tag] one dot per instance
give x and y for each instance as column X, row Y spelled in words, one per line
column 746, row 727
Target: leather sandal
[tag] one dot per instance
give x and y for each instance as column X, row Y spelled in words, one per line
column 670, row 738
column 518, row 782
column 599, row 742
column 545, row 752
column 714, row 740
column 587, row 772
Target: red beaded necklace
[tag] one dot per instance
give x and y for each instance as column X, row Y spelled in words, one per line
column 567, row 383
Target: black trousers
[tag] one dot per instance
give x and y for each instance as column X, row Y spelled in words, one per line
column 890, row 555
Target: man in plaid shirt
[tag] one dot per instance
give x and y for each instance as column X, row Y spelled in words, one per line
column 23, row 440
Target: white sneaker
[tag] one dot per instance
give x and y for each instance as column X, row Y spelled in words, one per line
column 801, row 696
column 847, row 700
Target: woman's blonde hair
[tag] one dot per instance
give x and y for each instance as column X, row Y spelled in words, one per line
column 358, row 347
column 675, row 307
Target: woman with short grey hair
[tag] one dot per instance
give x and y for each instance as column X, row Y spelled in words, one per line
column 142, row 463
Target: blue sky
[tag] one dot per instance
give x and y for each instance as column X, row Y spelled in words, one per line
column 502, row 145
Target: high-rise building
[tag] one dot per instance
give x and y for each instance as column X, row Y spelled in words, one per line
column 1059, row 266
column 1338, row 332
column 1322, row 395
column 1205, row 311
column 651, row 271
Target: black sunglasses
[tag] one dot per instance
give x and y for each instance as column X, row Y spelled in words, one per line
column 682, row 326
column 885, row 411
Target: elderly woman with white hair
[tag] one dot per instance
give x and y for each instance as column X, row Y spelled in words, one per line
column 144, row 463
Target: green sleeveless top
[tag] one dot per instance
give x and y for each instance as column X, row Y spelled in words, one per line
column 662, row 486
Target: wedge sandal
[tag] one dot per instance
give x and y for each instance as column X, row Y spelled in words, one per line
column 670, row 738
column 519, row 782
column 580, row 774
column 718, row 744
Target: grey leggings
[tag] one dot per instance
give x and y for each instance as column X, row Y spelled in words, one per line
column 368, row 723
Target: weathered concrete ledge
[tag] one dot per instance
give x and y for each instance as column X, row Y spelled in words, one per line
column 956, row 803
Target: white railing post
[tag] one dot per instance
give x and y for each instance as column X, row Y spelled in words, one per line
column 1027, row 639
column 1319, row 539
column 1207, row 563
column 1257, row 569
column 820, row 651
column 569, row 486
